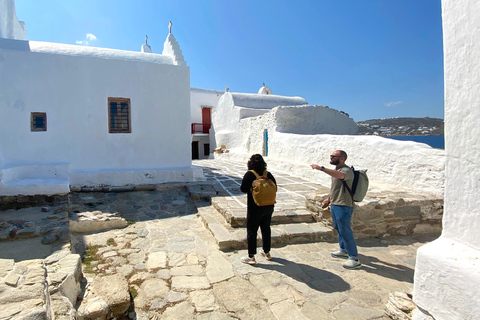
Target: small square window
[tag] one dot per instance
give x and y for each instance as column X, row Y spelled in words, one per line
column 119, row 115
column 38, row 121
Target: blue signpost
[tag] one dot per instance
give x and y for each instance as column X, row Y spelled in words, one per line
column 266, row 141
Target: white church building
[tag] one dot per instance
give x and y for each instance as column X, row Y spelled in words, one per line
column 240, row 122
column 202, row 104
column 83, row 116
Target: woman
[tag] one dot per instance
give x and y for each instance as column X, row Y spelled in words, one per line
column 257, row 216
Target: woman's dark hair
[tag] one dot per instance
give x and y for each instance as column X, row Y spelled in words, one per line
column 257, row 163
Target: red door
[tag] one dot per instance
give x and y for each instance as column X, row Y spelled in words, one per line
column 206, row 119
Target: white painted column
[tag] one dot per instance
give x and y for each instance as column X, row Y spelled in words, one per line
column 447, row 273
column 10, row 27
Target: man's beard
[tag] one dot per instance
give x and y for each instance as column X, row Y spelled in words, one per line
column 334, row 162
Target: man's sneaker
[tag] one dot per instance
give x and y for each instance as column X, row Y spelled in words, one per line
column 248, row 260
column 267, row 256
column 352, row 264
column 339, row 254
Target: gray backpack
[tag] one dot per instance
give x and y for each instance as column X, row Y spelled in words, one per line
column 359, row 185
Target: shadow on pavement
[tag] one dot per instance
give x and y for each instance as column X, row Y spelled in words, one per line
column 397, row 240
column 386, row 269
column 27, row 249
column 317, row 279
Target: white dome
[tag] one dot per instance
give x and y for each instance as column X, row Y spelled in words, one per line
column 265, row 90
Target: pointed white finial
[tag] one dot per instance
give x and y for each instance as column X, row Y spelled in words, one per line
column 170, row 27
column 145, row 46
column 226, row 89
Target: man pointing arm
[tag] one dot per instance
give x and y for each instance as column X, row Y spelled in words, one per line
column 341, row 207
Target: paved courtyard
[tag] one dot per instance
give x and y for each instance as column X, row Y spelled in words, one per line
column 174, row 267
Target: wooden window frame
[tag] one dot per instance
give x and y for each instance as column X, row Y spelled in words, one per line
column 115, row 129
column 33, row 117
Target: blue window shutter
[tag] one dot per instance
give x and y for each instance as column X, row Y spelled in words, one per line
column 113, row 108
column 39, row 122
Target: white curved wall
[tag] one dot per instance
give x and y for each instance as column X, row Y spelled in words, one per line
column 313, row 120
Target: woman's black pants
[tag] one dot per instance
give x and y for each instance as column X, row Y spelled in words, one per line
column 260, row 219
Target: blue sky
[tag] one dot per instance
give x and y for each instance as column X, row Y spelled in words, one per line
column 371, row 59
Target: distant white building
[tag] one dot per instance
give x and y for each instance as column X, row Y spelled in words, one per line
column 238, row 120
column 241, row 121
column 83, row 116
column 202, row 103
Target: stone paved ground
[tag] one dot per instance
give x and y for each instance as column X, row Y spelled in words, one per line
column 175, row 270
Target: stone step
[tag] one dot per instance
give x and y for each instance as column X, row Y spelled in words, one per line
column 40, row 289
column 234, row 210
column 236, row 216
column 230, row 238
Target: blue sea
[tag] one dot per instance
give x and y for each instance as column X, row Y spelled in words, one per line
column 433, row 141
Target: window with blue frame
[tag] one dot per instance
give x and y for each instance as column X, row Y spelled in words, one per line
column 119, row 115
column 38, row 121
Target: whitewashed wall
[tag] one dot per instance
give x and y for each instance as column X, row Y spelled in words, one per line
column 306, row 119
column 232, row 107
column 200, row 98
column 392, row 164
column 72, row 84
column 313, row 120
column 447, row 273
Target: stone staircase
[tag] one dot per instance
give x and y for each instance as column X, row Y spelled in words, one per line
column 292, row 222
column 236, row 217
column 299, row 219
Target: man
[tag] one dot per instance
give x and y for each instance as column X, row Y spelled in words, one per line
column 341, row 207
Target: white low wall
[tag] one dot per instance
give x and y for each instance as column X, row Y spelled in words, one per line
column 135, row 177
column 392, row 164
column 46, row 179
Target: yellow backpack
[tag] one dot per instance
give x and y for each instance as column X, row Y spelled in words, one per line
column 264, row 190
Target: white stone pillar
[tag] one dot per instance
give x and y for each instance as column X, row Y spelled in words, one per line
column 10, row 27
column 146, row 48
column 447, row 272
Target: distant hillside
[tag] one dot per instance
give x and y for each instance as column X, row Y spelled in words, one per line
column 402, row 127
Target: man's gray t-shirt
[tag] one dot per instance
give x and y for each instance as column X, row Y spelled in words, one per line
column 339, row 194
